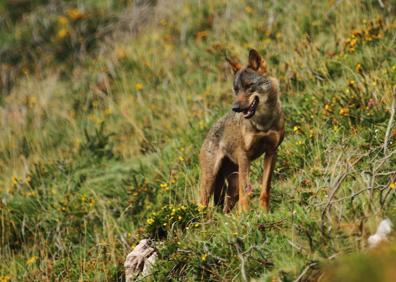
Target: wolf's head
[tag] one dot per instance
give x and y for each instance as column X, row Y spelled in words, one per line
column 252, row 86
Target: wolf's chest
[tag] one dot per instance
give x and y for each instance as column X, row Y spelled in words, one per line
column 257, row 144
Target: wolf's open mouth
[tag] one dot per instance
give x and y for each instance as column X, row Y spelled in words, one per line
column 249, row 112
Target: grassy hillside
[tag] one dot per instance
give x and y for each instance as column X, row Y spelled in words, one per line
column 105, row 104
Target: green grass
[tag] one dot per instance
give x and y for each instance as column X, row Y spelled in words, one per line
column 101, row 125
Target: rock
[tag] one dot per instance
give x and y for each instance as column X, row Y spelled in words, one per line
column 148, row 265
column 140, row 261
column 383, row 230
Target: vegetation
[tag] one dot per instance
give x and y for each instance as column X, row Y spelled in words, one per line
column 105, row 104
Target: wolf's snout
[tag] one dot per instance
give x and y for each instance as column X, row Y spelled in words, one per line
column 236, row 108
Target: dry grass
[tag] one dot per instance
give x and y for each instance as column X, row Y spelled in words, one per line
column 101, row 126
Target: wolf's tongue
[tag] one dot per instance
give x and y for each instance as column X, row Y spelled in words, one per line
column 248, row 110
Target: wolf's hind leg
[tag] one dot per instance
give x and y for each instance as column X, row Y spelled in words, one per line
column 210, row 178
column 206, row 189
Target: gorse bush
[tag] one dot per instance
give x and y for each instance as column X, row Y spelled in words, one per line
column 97, row 143
column 105, row 105
column 48, row 34
column 171, row 217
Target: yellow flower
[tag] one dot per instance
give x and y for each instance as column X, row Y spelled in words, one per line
column 248, row 10
column 62, row 20
column 95, row 119
column 77, row 142
column 139, row 86
column 146, row 64
column 327, row 107
column 356, row 33
column 31, row 260
column 201, row 35
column 31, row 194
column 180, row 218
column 201, row 208
column 120, row 54
column 150, row 221
column 14, row 180
column 351, row 83
column 352, row 43
column 62, row 33
column 32, row 100
column 75, row 14
column 392, row 185
column 300, row 142
column 5, row 278
column 164, row 185
column 296, row 129
column 181, row 159
column 358, row 68
column 344, row 111
column 203, row 257
column 108, row 111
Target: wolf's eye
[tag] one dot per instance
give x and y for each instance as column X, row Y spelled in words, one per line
column 248, row 84
column 250, row 87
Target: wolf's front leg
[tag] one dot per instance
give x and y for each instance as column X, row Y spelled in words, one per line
column 243, row 177
column 269, row 165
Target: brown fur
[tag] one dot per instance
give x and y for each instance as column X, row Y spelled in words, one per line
column 236, row 140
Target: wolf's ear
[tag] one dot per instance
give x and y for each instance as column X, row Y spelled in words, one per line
column 256, row 62
column 235, row 66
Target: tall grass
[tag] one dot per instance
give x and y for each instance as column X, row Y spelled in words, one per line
column 99, row 145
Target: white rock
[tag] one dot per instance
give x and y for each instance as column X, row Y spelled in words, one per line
column 385, row 227
column 383, row 230
column 375, row 239
column 148, row 265
column 140, row 260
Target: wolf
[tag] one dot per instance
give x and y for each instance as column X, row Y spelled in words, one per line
column 254, row 127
